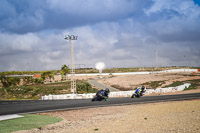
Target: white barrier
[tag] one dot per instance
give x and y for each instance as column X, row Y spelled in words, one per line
column 135, row 73
column 116, row 94
column 181, row 70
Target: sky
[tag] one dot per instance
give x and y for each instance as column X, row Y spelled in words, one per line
column 120, row 33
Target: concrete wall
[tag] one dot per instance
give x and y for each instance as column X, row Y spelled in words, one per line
column 116, row 94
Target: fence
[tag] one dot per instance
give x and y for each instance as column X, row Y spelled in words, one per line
column 116, row 94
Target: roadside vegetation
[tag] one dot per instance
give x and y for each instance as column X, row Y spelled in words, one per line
column 194, row 84
column 27, row 122
column 34, row 88
column 85, row 87
column 38, row 90
column 33, row 91
column 174, row 84
column 153, row 84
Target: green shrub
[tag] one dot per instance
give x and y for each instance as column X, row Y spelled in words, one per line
column 176, row 83
column 28, row 79
column 194, row 84
column 38, row 81
column 34, row 91
column 85, row 87
column 154, row 84
column 9, row 81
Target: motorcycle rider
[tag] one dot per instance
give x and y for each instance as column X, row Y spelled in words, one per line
column 138, row 91
column 103, row 94
column 143, row 90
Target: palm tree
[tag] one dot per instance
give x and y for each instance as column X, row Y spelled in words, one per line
column 51, row 75
column 46, row 75
column 64, row 70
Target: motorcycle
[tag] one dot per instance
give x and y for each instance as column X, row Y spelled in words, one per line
column 139, row 92
column 96, row 98
column 137, row 95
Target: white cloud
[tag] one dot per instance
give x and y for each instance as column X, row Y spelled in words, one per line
column 24, row 42
column 128, row 42
column 15, row 43
column 181, row 6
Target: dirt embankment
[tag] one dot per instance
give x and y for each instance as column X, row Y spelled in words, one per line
column 129, row 82
column 180, row 116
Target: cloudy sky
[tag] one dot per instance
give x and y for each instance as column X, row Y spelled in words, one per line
column 121, row 33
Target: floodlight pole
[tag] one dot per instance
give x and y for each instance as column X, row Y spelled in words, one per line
column 185, row 63
column 73, row 80
column 100, row 71
column 156, row 58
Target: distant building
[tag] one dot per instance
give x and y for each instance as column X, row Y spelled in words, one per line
column 37, row 76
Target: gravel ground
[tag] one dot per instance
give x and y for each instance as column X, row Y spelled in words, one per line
column 179, row 116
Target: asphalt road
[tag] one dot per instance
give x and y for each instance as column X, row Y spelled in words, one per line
column 95, row 83
column 30, row 106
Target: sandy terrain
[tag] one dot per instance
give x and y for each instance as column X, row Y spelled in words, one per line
column 133, row 81
column 180, row 116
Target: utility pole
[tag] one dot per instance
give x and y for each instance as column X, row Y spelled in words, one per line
column 185, row 63
column 156, row 58
column 185, row 60
column 73, row 80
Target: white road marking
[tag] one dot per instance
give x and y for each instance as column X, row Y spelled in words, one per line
column 6, row 117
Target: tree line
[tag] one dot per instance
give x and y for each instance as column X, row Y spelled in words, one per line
column 64, row 69
column 29, row 80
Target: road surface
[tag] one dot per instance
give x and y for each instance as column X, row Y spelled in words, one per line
column 30, row 106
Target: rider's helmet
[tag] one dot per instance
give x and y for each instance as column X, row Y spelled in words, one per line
column 107, row 91
column 143, row 88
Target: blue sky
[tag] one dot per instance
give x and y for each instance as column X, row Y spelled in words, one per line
column 119, row 33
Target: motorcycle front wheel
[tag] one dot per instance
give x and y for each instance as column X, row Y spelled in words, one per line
column 133, row 96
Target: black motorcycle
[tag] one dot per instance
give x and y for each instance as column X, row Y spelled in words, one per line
column 135, row 95
column 97, row 98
